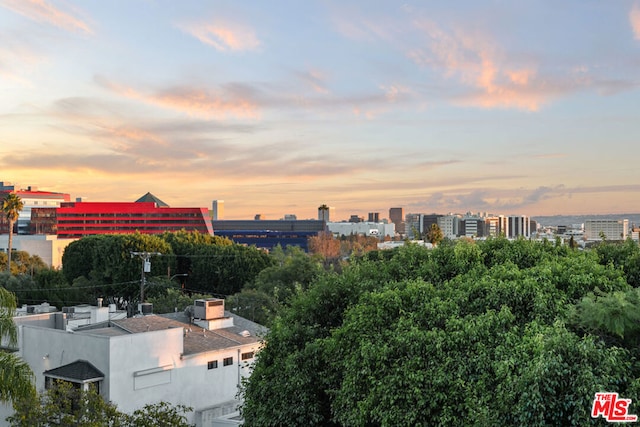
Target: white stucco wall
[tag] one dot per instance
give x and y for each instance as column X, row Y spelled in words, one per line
column 45, row 348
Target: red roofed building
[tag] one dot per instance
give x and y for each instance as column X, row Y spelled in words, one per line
column 78, row 219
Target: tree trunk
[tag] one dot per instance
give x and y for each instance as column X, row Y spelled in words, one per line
column 9, row 246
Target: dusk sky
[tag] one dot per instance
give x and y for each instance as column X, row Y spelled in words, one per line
column 276, row 107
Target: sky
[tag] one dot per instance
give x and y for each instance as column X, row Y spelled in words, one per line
column 276, row 107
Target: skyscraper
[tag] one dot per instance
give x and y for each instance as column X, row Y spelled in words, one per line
column 218, row 210
column 396, row 215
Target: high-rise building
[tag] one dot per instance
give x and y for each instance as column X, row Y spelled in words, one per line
column 497, row 226
column 396, row 215
column 449, row 224
column 374, row 217
column 472, row 227
column 218, row 210
column 518, row 225
column 326, row 213
column 610, row 229
column 413, row 225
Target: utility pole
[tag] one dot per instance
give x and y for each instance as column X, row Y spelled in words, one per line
column 146, row 267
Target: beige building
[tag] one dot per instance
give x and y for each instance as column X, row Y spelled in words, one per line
column 610, row 229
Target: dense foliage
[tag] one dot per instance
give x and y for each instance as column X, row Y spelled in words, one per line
column 488, row 333
column 15, row 374
column 103, row 266
column 65, row 405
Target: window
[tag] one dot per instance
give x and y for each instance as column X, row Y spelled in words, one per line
column 227, row 361
column 212, row 364
column 246, row 356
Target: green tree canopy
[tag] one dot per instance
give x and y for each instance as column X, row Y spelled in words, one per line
column 464, row 334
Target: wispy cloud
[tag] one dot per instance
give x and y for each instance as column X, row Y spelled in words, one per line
column 634, row 18
column 223, row 36
column 479, row 64
column 230, row 101
column 17, row 59
column 315, row 79
column 44, row 11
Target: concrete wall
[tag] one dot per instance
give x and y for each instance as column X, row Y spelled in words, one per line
column 47, row 247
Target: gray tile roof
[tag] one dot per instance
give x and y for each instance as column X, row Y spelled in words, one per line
column 196, row 339
column 78, row 371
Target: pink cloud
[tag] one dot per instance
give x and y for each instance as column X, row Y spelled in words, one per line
column 224, row 37
column 43, row 11
column 195, row 101
column 478, row 63
column 634, row 18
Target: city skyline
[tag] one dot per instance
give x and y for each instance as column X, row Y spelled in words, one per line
column 527, row 108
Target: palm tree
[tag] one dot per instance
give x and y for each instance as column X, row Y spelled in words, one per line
column 435, row 235
column 15, row 374
column 11, row 206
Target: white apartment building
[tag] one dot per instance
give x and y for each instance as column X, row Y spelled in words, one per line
column 197, row 362
column 612, row 229
column 374, row 229
column 449, row 224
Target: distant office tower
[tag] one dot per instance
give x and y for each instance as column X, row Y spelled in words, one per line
column 610, row 229
column 429, row 220
column 413, row 225
column 374, row 217
column 396, row 215
column 449, row 224
column 356, row 218
column 497, row 226
column 472, row 227
column 325, row 213
column 218, row 210
column 518, row 225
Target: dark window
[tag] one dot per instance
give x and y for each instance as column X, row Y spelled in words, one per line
column 227, row 361
column 246, row 356
column 212, row 364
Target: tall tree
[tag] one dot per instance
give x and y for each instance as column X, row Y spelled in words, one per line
column 435, row 235
column 15, row 375
column 11, row 207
